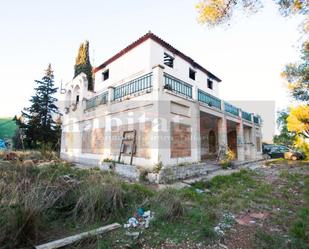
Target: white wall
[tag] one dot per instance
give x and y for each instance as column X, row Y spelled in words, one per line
column 141, row 59
column 181, row 69
column 134, row 63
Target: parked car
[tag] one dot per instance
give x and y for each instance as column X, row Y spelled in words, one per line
column 266, row 148
column 281, row 151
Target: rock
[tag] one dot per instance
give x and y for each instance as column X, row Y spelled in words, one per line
column 134, row 235
column 223, row 246
column 28, row 163
column 11, row 156
column 260, row 215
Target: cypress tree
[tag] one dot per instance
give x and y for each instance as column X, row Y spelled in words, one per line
column 39, row 126
column 83, row 65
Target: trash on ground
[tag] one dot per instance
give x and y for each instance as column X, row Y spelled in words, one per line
column 141, row 219
column 199, row 191
column 226, row 222
column 134, row 235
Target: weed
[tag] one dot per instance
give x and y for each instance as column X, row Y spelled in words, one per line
column 173, row 207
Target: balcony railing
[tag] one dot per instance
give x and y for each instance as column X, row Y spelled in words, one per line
column 256, row 120
column 231, row 109
column 142, row 83
column 175, row 85
column 246, row 115
column 97, row 100
column 209, row 99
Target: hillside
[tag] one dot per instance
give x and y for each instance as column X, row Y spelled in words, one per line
column 7, row 128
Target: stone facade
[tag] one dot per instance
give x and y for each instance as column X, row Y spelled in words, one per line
column 180, row 140
column 178, row 119
column 93, row 141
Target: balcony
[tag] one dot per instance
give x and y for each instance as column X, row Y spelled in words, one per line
column 208, row 99
column 97, row 100
column 246, row 116
column 175, row 85
column 133, row 86
column 231, row 109
column 256, row 120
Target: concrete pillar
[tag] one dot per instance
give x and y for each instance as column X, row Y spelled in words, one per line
column 111, row 91
column 240, row 141
column 196, row 133
column 222, row 134
column 196, row 129
column 157, row 143
column 195, row 93
column 253, row 139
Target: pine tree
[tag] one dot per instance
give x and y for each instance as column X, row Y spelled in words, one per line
column 39, row 126
column 83, row 65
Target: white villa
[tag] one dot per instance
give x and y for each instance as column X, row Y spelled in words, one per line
column 169, row 102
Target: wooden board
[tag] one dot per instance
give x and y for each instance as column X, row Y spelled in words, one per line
column 77, row 237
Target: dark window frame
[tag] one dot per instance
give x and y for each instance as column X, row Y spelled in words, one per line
column 168, row 60
column 192, row 74
column 210, row 84
column 105, row 75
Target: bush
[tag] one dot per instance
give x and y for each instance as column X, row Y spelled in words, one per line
column 228, row 158
column 172, row 208
column 99, row 197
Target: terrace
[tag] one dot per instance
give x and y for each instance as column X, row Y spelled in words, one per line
column 172, row 84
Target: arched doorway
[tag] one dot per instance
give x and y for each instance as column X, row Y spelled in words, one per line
column 232, row 141
column 212, row 142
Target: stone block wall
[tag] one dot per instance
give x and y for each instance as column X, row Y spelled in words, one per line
column 93, row 141
column 177, row 172
column 180, row 140
column 143, row 137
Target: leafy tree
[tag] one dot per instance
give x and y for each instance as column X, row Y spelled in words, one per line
column 214, row 12
column 298, row 120
column 297, row 75
column 83, row 65
column 37, row 120
column 285, row 137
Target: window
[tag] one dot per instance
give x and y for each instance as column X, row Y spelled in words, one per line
column 168, row 60
column 77, row 99
column 192, row 74
column 105, row 75
column 210, row 84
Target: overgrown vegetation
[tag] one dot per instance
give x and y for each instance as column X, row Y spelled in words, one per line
column 39, row 203
column 38, row 125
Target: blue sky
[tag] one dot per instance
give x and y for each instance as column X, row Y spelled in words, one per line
column 248, row 56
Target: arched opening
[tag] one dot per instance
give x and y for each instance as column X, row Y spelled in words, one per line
column 68, row 99
column 212, row 142
column 76, row 94
column 232, row 141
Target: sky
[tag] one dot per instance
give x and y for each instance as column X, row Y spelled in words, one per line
column 248, row 55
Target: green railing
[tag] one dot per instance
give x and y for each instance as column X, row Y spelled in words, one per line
column 209, row 99
column 142, row 83
column 246, row 115
column 173, row 84
column 97, row 100
column 256, row 120
column 231, row 109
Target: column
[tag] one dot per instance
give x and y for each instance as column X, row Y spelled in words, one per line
column 240, row 141
column 157, row 141
column 196, row 127
column 222, row 136
column 253, row 139
column 111, row 91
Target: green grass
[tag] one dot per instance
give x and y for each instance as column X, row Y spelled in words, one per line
column 7, row 128
column 101, row 198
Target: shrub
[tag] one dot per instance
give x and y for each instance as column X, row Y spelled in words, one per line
column 172, row 207
column 99, row 197
column 229, row 156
